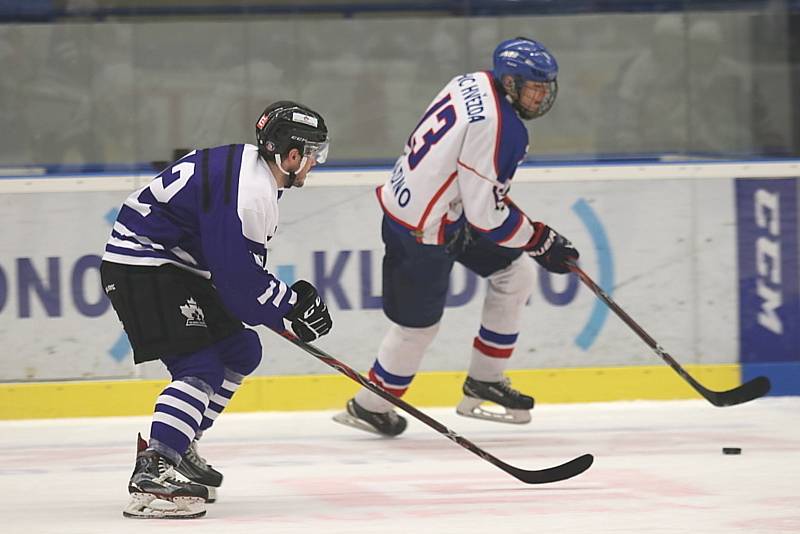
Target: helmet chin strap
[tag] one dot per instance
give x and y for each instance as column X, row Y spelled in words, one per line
column 291, row 174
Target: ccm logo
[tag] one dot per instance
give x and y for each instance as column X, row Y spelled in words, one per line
column 768, row 259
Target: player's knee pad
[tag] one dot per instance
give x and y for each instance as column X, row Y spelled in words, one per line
column 517, row 279
column 241, row 352
column 401, row 352
column 204, row 365
column 416, row 339
column 420, row 335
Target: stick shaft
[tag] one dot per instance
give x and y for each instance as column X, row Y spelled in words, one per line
column 753, row 389
column 567, row 470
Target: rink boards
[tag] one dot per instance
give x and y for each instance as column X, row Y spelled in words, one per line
column 703, row 256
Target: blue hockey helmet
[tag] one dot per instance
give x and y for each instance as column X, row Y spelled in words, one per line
column 526, row 60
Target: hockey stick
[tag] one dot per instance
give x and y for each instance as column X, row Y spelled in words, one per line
column 753, row 389
column 553, row 474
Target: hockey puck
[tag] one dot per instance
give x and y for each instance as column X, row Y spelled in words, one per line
column 731, row 450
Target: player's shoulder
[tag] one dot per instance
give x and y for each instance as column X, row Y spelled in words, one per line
column 249, row 152
column 477, row 97
column 257, row 186
column 252, row 162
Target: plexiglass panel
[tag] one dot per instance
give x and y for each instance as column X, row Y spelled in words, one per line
column 685, row 84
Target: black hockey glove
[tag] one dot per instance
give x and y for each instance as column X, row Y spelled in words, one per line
column 309, row 317
column 551, row 249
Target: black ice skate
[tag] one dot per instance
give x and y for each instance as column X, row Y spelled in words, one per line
column 387, row 424
column 156, row 493
column 197, row 470
column 516, row 405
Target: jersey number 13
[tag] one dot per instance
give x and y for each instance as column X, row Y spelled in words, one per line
column 425, row 135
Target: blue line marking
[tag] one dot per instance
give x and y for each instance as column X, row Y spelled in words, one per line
column 597, row 318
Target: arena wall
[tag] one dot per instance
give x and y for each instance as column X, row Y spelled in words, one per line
column 704, row 256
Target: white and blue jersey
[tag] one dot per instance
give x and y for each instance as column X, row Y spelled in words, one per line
column 211, row 213
column 457, row 166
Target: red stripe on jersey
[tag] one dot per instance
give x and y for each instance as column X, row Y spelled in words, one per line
column 479, row 175
column 433, row 201
column 475, row 171
column 397, row 392
column 386, row 211
column 506, row 201
column 442, row 223
column 492, row 352
column 499, row 122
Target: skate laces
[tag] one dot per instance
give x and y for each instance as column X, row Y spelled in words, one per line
column 166, row 472
column 194, row 456
column 505, row 386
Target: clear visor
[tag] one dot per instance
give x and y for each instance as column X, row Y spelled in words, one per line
column 318, row 151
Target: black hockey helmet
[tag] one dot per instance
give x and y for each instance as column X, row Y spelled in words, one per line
column 285, row 125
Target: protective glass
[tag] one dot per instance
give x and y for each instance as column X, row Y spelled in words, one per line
column 318, row 151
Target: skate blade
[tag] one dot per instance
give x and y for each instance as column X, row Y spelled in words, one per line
column 344, row 418
column 146, row 506
column 471, row 407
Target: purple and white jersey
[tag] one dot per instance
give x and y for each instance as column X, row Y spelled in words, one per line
column 211, row 213
column 458, row 164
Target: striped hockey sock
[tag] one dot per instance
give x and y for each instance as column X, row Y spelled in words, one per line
column 490, row 353
column 399, row 357
column 394, row 384
column 176, row 419
column 220, row 399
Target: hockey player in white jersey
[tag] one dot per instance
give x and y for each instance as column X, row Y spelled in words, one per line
column 447, row 201
column 185, row 265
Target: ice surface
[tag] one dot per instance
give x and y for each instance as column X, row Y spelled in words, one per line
column 659, row 468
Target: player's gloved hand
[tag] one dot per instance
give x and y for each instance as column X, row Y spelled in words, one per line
column 550, row 249
column 309, row 317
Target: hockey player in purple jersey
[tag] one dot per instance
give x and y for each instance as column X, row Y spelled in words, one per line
column 447, row 201
column 185, row 266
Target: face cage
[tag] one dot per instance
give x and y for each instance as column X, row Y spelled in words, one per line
column 544, row 106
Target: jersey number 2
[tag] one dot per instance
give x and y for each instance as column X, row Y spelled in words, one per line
column 424, row 136
column 163, row 192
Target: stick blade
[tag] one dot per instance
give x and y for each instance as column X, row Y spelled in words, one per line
column 753, row 389
column 553, row 474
